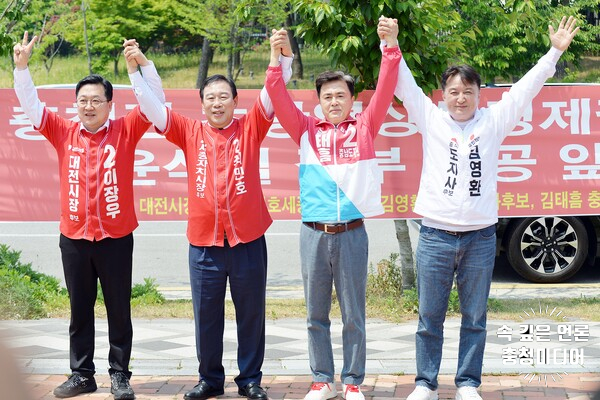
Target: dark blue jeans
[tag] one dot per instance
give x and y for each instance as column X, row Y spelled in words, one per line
column 245, row 265
column 439, row 256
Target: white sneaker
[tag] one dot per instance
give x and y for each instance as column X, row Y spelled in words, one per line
column 321, row 391
column 423, row 393
column 352, row 392
column 467, row 393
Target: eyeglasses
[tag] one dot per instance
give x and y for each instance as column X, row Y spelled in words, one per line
column 94, row 102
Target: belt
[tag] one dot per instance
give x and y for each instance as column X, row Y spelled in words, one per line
column 335, row 228
column 454, row 233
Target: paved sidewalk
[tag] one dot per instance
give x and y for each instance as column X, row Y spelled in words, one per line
column 164, row 360
column 382, row 386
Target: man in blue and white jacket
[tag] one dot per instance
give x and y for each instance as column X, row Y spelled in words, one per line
column 340, row 184
column 457, row 199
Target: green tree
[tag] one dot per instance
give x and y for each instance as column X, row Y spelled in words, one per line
column 49, row 21
column 258, row 18
column 206, row 19
column 346, row 30
column 510, row 36
column 109, row 22
column 12, row 12
column 231, row 27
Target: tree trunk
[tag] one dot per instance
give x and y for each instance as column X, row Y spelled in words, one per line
column 237, row 56
column 406, row 254
column 561, row 69
column 205, row 60
column 230, row 64
column 233, row 39
column 85, row 37
column 116, row 65
column 297, row 67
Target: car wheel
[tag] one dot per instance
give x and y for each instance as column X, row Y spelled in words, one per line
column 547, row 249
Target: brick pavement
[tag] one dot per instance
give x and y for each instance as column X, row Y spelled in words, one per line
column 494, row 387
column 164, row 361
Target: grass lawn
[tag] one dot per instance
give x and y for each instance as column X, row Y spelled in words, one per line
column 378, row 307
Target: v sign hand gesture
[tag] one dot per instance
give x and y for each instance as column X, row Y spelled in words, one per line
column 562, row 38
column 22, row 51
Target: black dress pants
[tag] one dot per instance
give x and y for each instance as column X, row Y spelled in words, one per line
column 84, row 263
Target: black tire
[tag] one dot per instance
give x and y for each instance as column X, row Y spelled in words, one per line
column 547, row 249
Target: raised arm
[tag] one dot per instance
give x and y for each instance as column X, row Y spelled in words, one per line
column 24, row 87
column 147, row 88
column 509, row 110
column 378, row 107
column 281, row 53
column 290, row 117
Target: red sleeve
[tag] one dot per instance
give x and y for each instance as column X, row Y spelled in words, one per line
column 290, row 117
column 54, row 127
column 178, row 127
column 374, row 115
column 259, row 121
column 136, row 123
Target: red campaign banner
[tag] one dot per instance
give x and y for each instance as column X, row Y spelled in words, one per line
column 549, row 165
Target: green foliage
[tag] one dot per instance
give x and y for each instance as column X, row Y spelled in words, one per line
column 510, row 36
column 500, row 38
column 346, row 31
column 109, row 23
column 48, row 20
column 23, row 291
column 387, row 280
column 411, row 302
column 28, row 294
column 384, row 291
column 12, row 12
column 141, row 293
column 268, row 14
column 494, row 305
column 146, row 293
column 453, row 302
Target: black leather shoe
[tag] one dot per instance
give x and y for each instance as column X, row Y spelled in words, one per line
column 202, row 391
column 253, row 391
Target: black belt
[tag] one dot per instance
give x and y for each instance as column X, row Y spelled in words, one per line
column 454, row 233
column 335, row 228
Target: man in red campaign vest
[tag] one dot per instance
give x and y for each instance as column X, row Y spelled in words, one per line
column 227, row 221
column 95, row 162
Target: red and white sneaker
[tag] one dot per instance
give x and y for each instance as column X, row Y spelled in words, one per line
column 352, row 392
column 321, row 391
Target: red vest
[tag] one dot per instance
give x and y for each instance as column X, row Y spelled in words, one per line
column 96, row 174
column 224, row 190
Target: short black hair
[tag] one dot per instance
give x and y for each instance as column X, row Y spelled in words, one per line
column 95, row 79
column 332, row 76
column 216, row 78
column 467, row 74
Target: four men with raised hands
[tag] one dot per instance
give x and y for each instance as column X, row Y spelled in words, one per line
column 338, row 189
